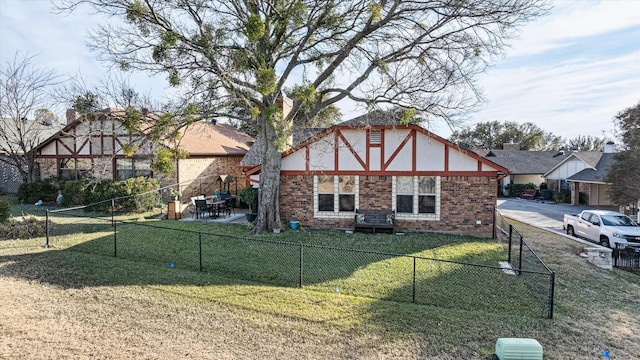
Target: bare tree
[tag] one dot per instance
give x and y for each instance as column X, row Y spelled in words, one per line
column 414, row 54
column 25, row 120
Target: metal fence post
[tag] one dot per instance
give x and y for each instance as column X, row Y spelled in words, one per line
column 493, row 232
column 301, row 265
column 200, row 249
column 510, row 239
column 552, row 293
column 46, row 229
column 115, row 242
column 414, row 280
column 520, row 256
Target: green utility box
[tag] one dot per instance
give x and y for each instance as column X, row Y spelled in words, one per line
column 518, row 349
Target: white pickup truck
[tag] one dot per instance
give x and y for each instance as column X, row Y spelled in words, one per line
column 608, row 228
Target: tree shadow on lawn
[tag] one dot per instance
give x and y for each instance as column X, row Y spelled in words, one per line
column 237, row 267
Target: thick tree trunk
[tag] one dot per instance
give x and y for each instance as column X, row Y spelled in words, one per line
column 269, row 199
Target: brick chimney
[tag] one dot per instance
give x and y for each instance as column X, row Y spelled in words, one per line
column 511, row 146
column 71, row 115
column 285, row 105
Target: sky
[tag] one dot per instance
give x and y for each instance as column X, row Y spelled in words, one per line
column 569, row 72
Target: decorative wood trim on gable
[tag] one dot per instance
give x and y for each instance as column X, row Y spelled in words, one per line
column 350, row 147
column 410, row 140
column 410, row 135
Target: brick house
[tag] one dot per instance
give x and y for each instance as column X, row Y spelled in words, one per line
column 92, row 146
column 374, row 162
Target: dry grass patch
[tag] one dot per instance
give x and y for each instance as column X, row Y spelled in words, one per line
column 70, row 304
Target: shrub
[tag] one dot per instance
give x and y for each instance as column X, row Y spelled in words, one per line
column 45, row 190
column 73, row 193
column 563, row 196
column 5, row 210
column 249, row 196
column 127, row 192
column 515, row 190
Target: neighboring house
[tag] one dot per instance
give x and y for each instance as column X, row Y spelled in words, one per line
column 368, row 163
column 524, row 166
column 93, row 147
column 33, row 134
column 586, row 171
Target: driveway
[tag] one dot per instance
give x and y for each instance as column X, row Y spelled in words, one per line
column 545, row 215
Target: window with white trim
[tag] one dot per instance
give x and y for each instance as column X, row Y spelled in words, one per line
column 325, row 193
column 426, row 194
column 336, row 193
column 416, row 195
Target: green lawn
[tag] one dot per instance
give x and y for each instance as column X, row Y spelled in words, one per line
column 595, row 309
column 377, row 266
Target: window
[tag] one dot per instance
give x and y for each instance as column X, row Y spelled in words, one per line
column 416, row 195
column 336, row 193
column 74, row 169
column 325, row 193
column 346, row 193
column 128, row 168
column 426, row 195
column 404, row 194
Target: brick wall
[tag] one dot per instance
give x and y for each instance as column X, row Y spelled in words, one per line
column 464, row 201
column 48, row 167
column 200, row 175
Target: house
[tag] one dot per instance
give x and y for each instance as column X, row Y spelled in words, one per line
column 15, row 132
column 586, row 173
column 524, row 166
column 94, row 146
column 374, row 162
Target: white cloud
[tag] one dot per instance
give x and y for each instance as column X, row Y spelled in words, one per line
column 572, row 20
column 560, row 74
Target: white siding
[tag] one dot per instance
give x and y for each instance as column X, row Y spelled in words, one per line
column 374, row 160
column 461, row 162
column 403, row 161
column 346, row 159
column 567, row 169
column 295, row 161
column 321, row 155
column 50, row 149
column 430, row 154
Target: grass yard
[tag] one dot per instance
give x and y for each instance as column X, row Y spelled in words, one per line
column 75, row 300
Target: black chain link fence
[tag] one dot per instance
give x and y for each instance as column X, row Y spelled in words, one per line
column 520, row 289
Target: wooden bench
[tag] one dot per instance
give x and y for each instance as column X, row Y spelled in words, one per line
column 528, row 194
column 374, row 220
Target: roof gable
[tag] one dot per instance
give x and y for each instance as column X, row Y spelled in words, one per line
column 589, row 158
column 352, row 147
column 598, row 174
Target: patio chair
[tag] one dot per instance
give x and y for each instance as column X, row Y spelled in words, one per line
column 227, row 207
column 201, row 207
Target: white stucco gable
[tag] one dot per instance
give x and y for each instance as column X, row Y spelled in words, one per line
column 384, row 150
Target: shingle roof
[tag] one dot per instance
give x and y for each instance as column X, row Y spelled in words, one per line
column 253, row 158
column 597, row 175
column 208, row 138
column 373, row 118
column 523, row 161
